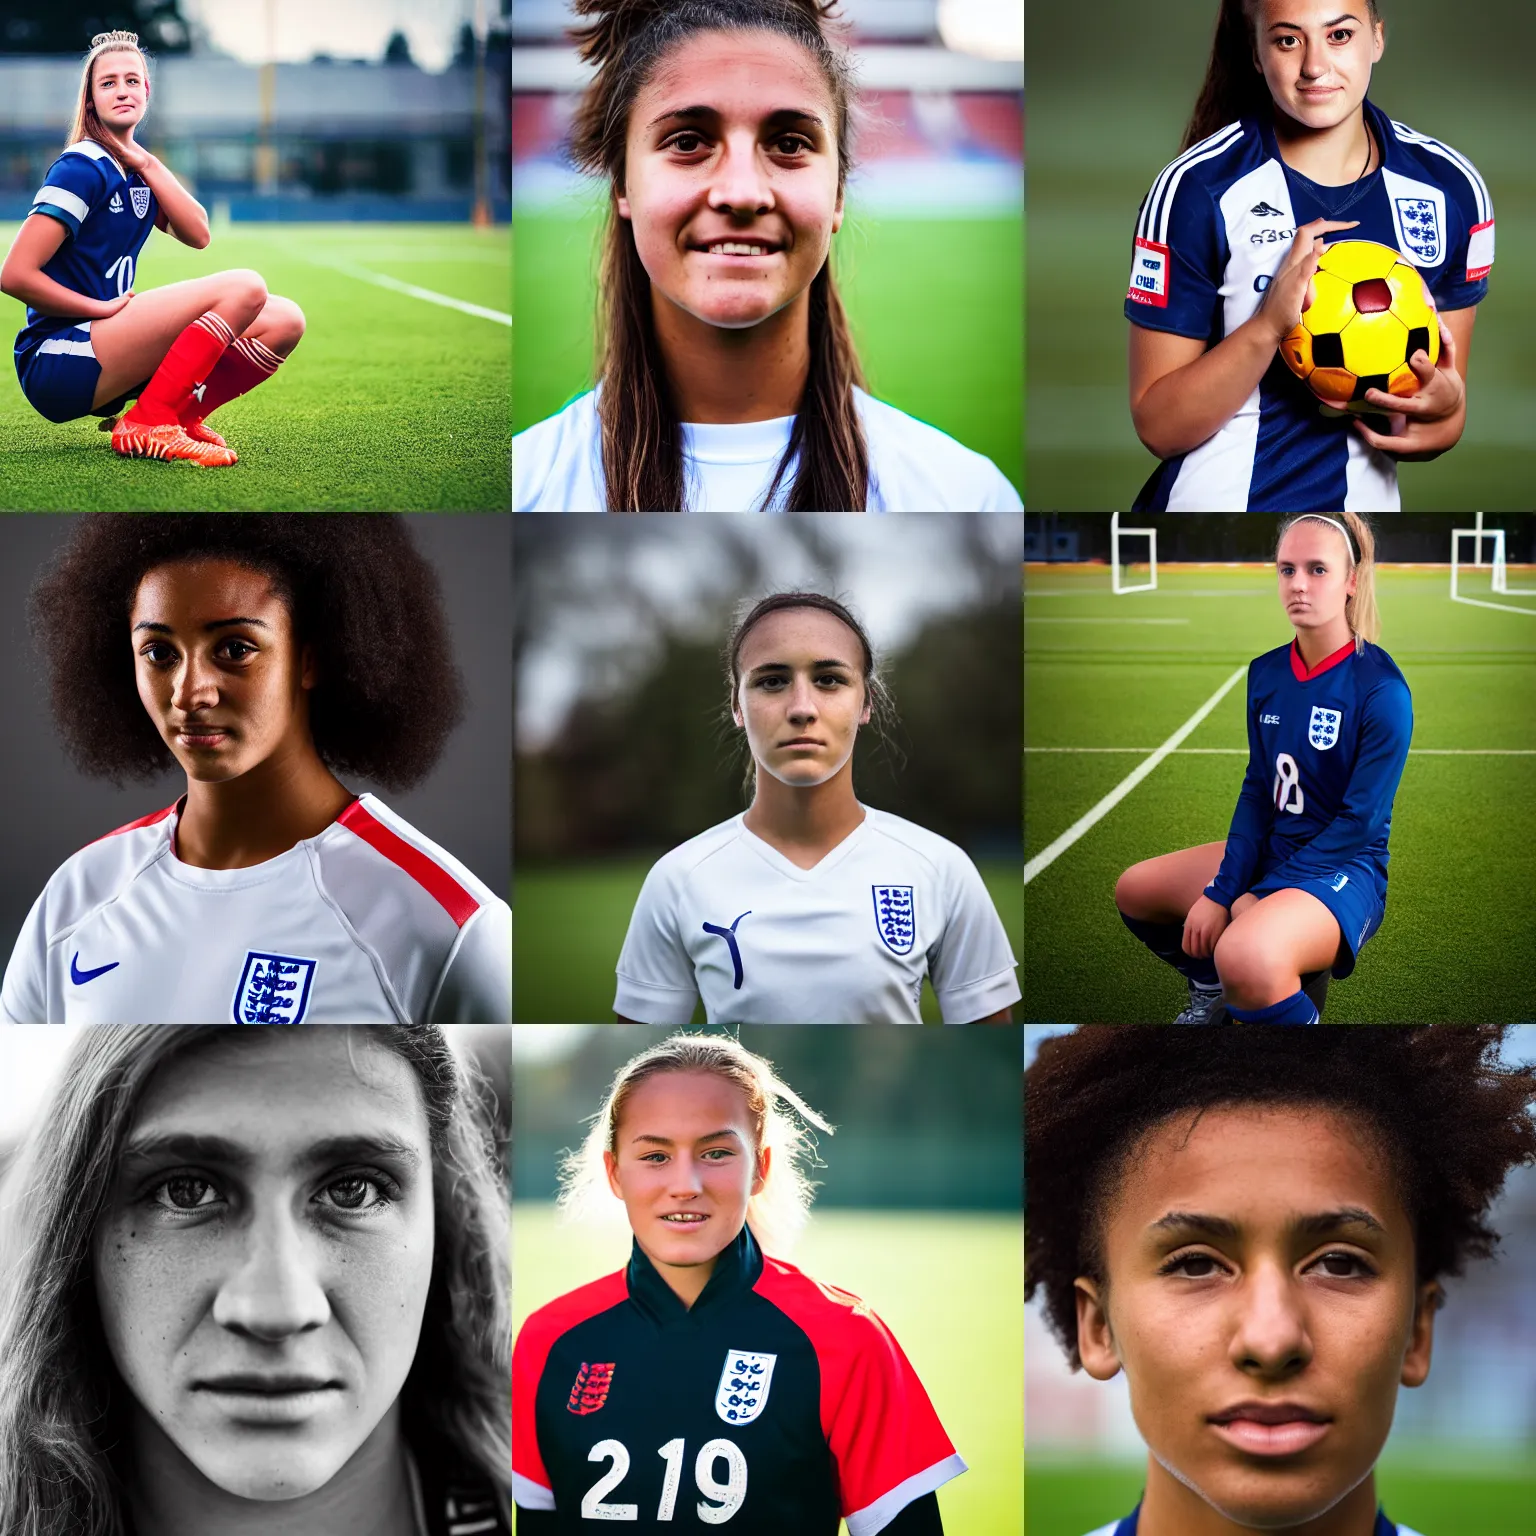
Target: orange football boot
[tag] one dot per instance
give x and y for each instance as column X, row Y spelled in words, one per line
column 196, row 428
column 171, row 441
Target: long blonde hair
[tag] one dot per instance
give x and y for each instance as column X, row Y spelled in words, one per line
column 778, row 1211
column 1360, row 610
column 86, row 124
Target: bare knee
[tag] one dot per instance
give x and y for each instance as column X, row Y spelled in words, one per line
column 1250, row 975
column 281, row 324
column 244, row 290
column 1135, row 890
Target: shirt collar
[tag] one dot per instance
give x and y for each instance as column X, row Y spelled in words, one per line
column 1127, row 1527
column 1304, row 674
column 736, row 1269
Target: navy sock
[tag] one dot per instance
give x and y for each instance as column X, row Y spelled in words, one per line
column 1166, row 941
column 1295, row 1009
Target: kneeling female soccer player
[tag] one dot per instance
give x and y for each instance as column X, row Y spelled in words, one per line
column 811, row 908
column 1254, row 1226
column 1300, row 884
column 90, row 342
column 263, row 655
column 710, row 1383
column 257, row 1281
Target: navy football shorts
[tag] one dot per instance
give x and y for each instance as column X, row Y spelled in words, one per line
column 1350, row 894
column 59, row 375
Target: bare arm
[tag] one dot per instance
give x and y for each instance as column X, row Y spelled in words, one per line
column 185, row 217
column 22, row 275
column 1183, row 392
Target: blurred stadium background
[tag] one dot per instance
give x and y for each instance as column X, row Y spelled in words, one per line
column 622, row 750
column 1109, row 679
column 934, row 233
column 355, row 152
column 917, row 1213
column 1461, row 1458
column 1107, row 114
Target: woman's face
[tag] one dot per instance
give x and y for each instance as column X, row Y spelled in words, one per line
column 1315, row 576
column 119, row 89
column 801, row 698
column 733, row 139
column 1258, row 1256
column 685, row 1165
column 1316, row 57
column 219, row 670
column 262, row 1268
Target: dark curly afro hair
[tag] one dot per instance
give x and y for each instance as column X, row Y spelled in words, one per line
column 359, row 592
column 1450, row 1116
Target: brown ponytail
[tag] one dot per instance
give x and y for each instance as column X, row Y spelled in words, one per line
column 642, row 440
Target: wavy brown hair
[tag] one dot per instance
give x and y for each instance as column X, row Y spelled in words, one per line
column 643, row 466
column 62, row 1402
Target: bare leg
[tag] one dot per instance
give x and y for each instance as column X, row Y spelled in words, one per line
column 1262, row 956
column 131, row 344
column 1162, row 890
column 280, row 325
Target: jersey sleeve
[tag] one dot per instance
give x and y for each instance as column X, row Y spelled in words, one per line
column 1462, row 280
column 476, row 986
column 972, row 964
column 1385, row 732
column 24, row 994
column 1250, row 819
column 656, row 983
column 532, row 1487
column 72, row 187
column 1177, row 259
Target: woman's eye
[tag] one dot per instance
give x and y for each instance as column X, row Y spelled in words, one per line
column 183, row 1192
column 238, row 650
column 678, row 144
column 352, row 1193
column 1190, row 1266
column 1353, row 1265
column 802, row 146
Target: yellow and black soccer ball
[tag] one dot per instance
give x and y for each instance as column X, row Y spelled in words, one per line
column 1371, row 313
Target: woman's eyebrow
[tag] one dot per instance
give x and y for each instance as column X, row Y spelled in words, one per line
column 816, row 666
column 219, row 1149
column 212, row 624
column 1313, row 1224
column 710, row 114
column 663, row 1141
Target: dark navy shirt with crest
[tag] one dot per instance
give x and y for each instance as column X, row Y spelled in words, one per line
column 1127, row 1527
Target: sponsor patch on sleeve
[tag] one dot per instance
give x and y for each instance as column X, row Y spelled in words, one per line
column 1149, row 273
column 1480, row 252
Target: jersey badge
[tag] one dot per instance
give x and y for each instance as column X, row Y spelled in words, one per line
column 1264, row 211
column 743, row 1391
column 140, row 196
column 1480, row 252
column 729, row 935
column 590, row 1390
column 80, row 977
column 1339, row 881
column 1323, row 728
column 274, row 989
column 1149, row 274
column 1418, row 222
column 116, row 205
column 895, row 918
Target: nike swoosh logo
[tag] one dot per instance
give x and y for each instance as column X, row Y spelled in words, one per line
column 80, row 977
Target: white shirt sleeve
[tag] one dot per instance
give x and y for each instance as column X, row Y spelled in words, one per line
column 24, row 995
column 972, row 965
column 656, row 980
column 476, row 986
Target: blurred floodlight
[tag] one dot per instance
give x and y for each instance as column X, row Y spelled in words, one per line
column 534, row 1045
column 987, row 29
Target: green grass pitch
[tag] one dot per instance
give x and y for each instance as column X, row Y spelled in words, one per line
column 571, row 923
column 904, row 1264
column 388, row 403
column 1457, row 943
column 936, row 305
column 1071, row 1498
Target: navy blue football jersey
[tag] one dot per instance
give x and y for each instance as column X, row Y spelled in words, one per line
column 1127, row 1527
column 1213, row 231
column 108, row 216
column 773, row 1405
column 1326, row 750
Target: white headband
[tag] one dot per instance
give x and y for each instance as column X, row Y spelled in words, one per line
column 1349, row 540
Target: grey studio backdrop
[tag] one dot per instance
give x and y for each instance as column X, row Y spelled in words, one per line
column 464, row 804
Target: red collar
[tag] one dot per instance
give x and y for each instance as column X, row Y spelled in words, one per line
column 1302, row 674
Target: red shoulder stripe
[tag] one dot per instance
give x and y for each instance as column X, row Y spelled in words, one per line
column 535, row 1339
column 430, row 876
column 133, row 826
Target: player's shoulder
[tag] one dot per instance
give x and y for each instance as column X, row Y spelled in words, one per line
column 936, row 851
column 556, row 462
column 819, row 1309
column 1210, row 164
column 1270, row 664
column 1376, row 667
column 544, row 1326
column 85, row 157
column 104, row 868
column 916, row 467
column 1440, row 163
column 677, row 864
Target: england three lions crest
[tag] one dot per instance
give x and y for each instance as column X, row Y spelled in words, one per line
column 274, row 989
column 1418, row 226
column 1323, row 728
column 895, row 917
column 743, row 1391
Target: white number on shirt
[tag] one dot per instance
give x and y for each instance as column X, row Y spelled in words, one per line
column 721, row 1499
column 122, row 270
column 1288, row 796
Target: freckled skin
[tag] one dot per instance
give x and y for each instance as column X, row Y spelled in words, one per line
column 1261, row 1319
column 272, row 1280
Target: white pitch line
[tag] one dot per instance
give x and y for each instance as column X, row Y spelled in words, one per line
column 1048, row 856
column 1051, row 618
column 1477, row 602
column 410, row 289
column 1243, row 751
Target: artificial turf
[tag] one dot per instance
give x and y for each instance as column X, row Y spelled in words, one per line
column 1456, row 945
column 936, row 307
column 389, row 402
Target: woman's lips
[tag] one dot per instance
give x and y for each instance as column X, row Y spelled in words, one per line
column 207, row 737
column 1285, row 1439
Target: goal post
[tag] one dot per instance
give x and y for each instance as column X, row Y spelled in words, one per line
column 1116, row 534
column 1477, row 535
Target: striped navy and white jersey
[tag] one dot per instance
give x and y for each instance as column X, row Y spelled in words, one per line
column 108, row 215
column 1127, row 1527
column 1213, row 231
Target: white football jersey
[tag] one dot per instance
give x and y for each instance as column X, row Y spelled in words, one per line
column 729, row 918
column 557, row 465
column 368, row 923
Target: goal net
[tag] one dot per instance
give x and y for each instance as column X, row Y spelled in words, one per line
column 1132, row 557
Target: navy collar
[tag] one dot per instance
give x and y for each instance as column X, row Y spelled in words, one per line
column 1127, row 1527
column 736, row 1269
column 1377, row 121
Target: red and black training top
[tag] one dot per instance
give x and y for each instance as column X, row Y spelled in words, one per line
column 774, row 1404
